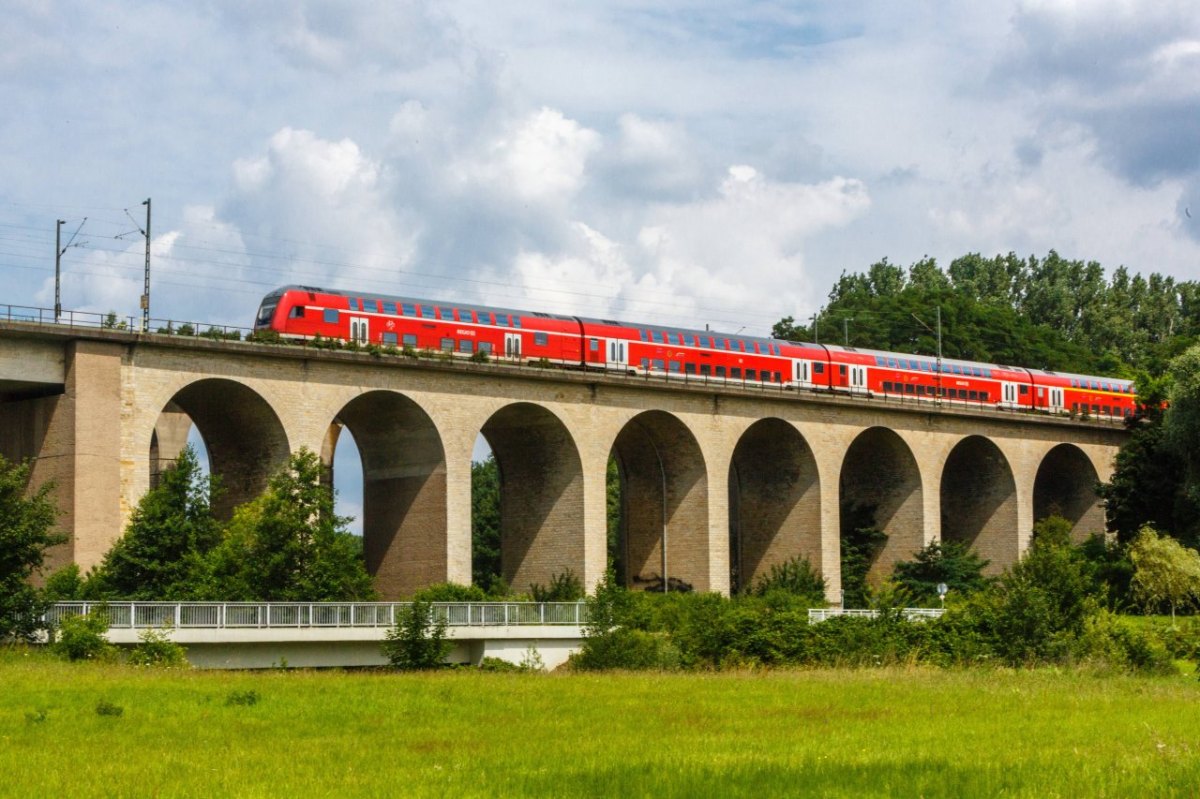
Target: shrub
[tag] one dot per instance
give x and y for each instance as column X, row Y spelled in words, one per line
column 418, row 641
column 479, row 356
column 624, row 648
column 155, row 648
column 565, row 587
column 451, row 592
column 247, row 698
column 949, row 562
column 83, row 637
column 795, row 576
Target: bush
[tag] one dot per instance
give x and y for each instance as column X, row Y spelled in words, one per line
column 418, row 641
column 155, row 648
column 949, row 562
column 83, row 637
column 451, row 592
column 565, row 587
column 624, row 648
column 797, row 577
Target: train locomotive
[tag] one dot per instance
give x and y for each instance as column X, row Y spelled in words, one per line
column 461, row 330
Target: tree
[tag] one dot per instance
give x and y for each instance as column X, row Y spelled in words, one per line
column 1181, row 427
column 1165, row 571
column 949, row 562
column 418, row 641
column 289, row 545
column 485, row 522
column 172, row 529
column 26, row 522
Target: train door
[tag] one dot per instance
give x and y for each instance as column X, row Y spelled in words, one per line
column 358, row 330
column 617, row 357
column 512, row 346
column 1008, row 391
column 1056, row 400
column 803, row 373
column 858, row 379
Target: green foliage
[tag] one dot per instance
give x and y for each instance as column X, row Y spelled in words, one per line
column 950, row 562
column 451, row 592
column 65, row 585
column 106, row 708
column 156, row 649
column 418, row 641
column 564, row 587
column 1110, row 566
column 1181, row 432
column 1165, row 572
column 485, row 521
column 170, row 532
column 796, row 577
column 479, row 356
column 860, row 547
column 289, row 545
column 26, row 522
column 83, row 637
column 265, row 337
column 245, row 698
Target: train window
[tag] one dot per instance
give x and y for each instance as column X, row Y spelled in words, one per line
column 818, row 368
column 880, row 360
column 516, row 321
column 689, row 368
column 446, row 314
column 427, row 312
column 502, row 319
column 909, row 388
column 1107, row 410
column 659, row 365
column 410, row 340
column 974, row 395
column 983, row 396
column 842, row 369
column 485, row 346
column 594, row 345
column 408, row 309
column 778, row 379
column 541, row 339
column 484, row 318
column 331, row 316
column 466, row 345
column 389, row 307
column 920, row 391
column 390, row 339
column 675, row 367
column 720, row 371
column 887, row 386
column 735, row 372
column 447, row 345
column 1024, row 389
column 1096, row 385
column 1096, row 410
column 1074, row 407
column 926, row 366
column 1128, row 412
column 751, row 374
column 705, row 369
column 642, row 333
column 297, row 312
column 891, row 362
column 370, row 306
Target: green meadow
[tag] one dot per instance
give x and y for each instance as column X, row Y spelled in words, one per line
column 81, row 730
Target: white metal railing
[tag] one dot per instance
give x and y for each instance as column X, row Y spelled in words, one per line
column 912, row 614
column 241, row 615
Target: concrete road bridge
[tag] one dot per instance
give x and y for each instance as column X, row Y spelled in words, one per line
column 718, row 481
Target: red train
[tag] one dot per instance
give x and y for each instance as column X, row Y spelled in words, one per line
column 463, row 330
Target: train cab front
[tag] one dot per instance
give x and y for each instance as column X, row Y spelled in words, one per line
column 266, row 311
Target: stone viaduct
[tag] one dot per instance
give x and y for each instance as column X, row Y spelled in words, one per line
column 717, row 482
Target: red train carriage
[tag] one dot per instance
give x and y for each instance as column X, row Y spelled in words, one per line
column 406, row 322
column 463, row 330
column 1104, row 397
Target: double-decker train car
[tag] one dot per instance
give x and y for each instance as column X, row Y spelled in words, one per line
column 466, row 330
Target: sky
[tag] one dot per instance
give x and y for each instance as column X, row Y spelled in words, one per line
column 685, row 163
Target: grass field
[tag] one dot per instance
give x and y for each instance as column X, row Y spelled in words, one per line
column 462, row 733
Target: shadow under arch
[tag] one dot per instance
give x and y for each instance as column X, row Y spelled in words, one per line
column 664, row 503
column 979, row 502
column 880, row 487
column 246, row 441
column 774, row 502
column 1066, row 485
column 541, row 495
column 404, row 489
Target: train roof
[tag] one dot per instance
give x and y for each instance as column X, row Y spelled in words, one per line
column 371, row 295
column 1073, row 376
column 930, row 358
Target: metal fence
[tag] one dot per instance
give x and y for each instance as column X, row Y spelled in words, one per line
column 243, row 615
column 912, row 614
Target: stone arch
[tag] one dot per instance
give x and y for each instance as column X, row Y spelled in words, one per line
column 979, row 502
column 1066, row 485
column 404, row 489
column 880, row 486
column 541, row 495
column 664, row 498
column 246, row 441
column 774, row 502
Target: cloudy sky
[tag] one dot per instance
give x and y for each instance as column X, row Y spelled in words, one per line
column 696, row 163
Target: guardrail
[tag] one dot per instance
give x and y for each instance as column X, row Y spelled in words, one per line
column 912, row 614
column 243, row 615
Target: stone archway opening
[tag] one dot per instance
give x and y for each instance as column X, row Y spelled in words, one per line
column 880, row 489
column 541, row 495
column 662, row 482
column 403, row 489
column 1066, row 486
column 979, row 502
column 774, row 502
column 242, row 434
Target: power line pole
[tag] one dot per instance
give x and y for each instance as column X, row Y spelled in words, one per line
column 146, row 291
column 58, row 251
